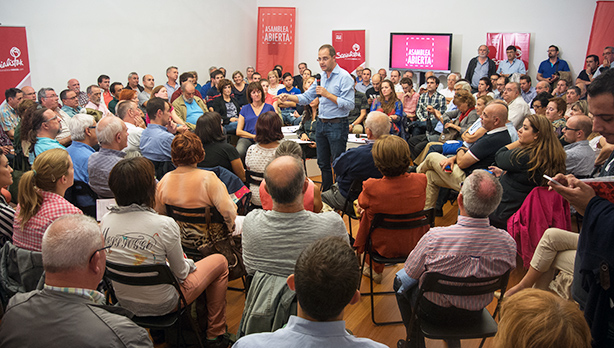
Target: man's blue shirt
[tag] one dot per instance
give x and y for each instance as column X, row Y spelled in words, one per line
column 341, row 84
column 156, row 143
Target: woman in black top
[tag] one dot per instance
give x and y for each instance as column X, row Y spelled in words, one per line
column 217, row 151
column 227, row 106
column 238, row 88
column 307, row 128
column 521, row 164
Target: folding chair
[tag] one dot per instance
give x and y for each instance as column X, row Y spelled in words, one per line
column 253, row 178
column 148, row 275
column 483, row 327
column 392, row 222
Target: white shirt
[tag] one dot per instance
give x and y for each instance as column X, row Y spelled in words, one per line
column 518, row 109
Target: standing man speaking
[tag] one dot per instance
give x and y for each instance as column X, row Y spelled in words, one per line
column 336, row 93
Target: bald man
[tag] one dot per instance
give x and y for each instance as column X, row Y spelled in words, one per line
column 29, row 93
column 189, row 107
column 74, row 85
column 450, row 172
column 580, row 156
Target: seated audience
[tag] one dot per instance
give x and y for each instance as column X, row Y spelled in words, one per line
column 227, row 106
column 183, row 78
column 555, row 111
column 41, row 198
column 556, row 251
column 94, row 94
column 246, row 126
column 475, row 131
column 528, row 92
column 484, row 88
column 41, row 126
column 450, row 172
column 71, row 102
column 83, row 134
column 217, row 151
column 239, row 88
column 269, row 98
column 389, row 104
column 540, row 103
column 156, row 139
column 430, row 98
column 191, row 187
column 469, row 248
column 521, row 165
column 288, row 108
column 274, row 85
column 536, row 318
column 518, row 109
column 573, row 95
column 391, row 157
column 356, row 163
column 132, row 220
column 273, row 239
column 160, row 92
column 307, row 128
column 312, row 199
column 7, row 213
column 112, row 135
column 188, row 106
column 129, row 112
column 69, row 311
column 325, row 278
column 268, row 136
column 579, row 108
column 580, row 155
column 128, row 94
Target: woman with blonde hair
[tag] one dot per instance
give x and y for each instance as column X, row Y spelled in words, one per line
column 521, row 165
column 41, row 197
column 535, row 318
column 392, row 157
column 274, row 85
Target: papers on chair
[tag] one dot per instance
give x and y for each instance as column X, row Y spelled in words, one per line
column 101, row 207
column 357, row 138
column 289, row 129
column 299, row 141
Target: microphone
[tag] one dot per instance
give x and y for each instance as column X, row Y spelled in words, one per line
column 318, row 78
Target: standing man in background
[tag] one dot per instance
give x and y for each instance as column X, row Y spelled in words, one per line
column 336, row 93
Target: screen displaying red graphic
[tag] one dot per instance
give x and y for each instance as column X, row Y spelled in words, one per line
column 420, row 51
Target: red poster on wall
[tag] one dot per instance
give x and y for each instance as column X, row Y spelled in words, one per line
column 275, row 38
column 602, row 24
column 498, row 42
column 350, row 47
column 14, row 61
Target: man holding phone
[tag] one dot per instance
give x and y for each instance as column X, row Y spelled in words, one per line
column 591, row 287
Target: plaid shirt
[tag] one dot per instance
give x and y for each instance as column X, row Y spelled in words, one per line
column 89, row 294
column 30, row 236
column 8, row 117
column 470, row 248
column 83, row 99
column 438, row 101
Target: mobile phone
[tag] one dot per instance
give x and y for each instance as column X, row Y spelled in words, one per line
column 447, row 169
column 552, row 180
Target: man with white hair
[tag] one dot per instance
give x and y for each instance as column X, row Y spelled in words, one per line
column 449, row 91
column 357, row 163
column 112, row 135
column 469, row 248
column 133, row 82
column 128, row 111
column 69, row 311
column 518, row 109
column 83, row 133
column 480, row 66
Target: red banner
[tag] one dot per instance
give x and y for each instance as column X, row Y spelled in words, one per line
column 350, row 47
column 14, row 61
column 602, row 23
column 275, row 38
column 498, row 42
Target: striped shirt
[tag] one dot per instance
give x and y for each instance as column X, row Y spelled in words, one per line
column 30, row 236
column 470, row 248
column 7, row 215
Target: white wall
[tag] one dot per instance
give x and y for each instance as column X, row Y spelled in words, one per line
column 82, row 39
column 469, row 21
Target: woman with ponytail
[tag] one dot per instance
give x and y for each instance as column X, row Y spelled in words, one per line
column 41, row 198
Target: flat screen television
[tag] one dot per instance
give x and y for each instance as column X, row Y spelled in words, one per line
column 420, row 51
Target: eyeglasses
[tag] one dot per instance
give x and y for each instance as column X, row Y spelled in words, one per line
column 571, row 129
column 323, row 59
column 97, row 250
column 51, row 119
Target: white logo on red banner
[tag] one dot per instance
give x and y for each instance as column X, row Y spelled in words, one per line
column 350, row 47
column 12, row 64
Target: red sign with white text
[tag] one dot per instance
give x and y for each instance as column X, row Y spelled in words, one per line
column 498, row 42
column 275, row 38
column 350, row 47
column 14, row 61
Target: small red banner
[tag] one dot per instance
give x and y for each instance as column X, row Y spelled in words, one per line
column 350, row 47
column 276, row 28
column 14, row 61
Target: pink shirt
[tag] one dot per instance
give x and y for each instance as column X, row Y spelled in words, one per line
column 410, row 103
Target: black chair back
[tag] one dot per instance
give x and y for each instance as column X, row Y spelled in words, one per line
column 253, row 178
column 194, row 215
column 461, row 286
column 80, row 188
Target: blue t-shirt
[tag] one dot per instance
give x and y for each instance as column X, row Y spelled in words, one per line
column 547, row 69
column 293, row 91
column 193, row 112
column 250, row 117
